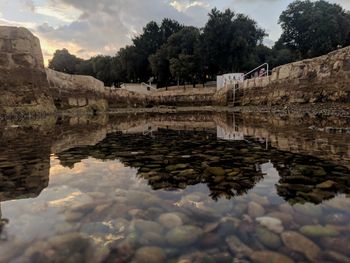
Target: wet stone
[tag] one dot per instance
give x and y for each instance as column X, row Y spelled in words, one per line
column 170, row 220
column 183, row 236
column 268, row 238
column 255, row 210
column 301, row 244
column 150, row 255
column 217, row 171
column 315, row 231
column 269, row 256
column 271, row 223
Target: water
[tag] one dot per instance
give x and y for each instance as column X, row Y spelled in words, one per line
column 175, row 188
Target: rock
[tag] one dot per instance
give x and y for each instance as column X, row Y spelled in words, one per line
column 183, row 236
column 255, row 210
column 144, row 226
column 334, row 256
column 77, row 93
column 326, row 185
column 271, row 223
column 283, row 217
column 308, row 170
column 176, row 167
column 237, row 247
column 308, row 209
column 269, row 256
column 341, row 245
column 234, row 172
column 217, row 171
column 24, row 89
column 96, row 228
column 152, row 239
column 186, row 172
column 268, row 238
column 150, row 255
column 170, row 220
column 301, row 244
column 319, row 231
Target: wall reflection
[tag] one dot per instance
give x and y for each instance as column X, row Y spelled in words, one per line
column 176, row 150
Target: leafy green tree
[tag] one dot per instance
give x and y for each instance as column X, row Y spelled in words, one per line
column 178, row 51
column 63, row 61
column 183, row 67
column 228, row 39
column 314, row 28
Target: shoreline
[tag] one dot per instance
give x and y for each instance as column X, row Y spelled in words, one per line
column 320, row 109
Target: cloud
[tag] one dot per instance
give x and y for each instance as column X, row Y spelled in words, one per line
column 29, row 5
column 105, row 26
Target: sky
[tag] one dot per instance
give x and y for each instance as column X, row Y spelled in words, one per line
column 91, row 27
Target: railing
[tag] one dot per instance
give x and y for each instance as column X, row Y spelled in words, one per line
column 148, row 86
column 236, row 85
column 266, row 73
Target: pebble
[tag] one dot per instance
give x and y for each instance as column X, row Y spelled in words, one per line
column 170, row 220
column 269, row 256
column 319, row 231
column 271, row 223
column 150, row 255
column 255, row 210
column 237, row 247
column 217, row 171
column 268, row 238
column 301, row 244
column 183, row 236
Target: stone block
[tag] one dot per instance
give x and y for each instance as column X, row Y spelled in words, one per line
column 24, row 88
column 284, row 72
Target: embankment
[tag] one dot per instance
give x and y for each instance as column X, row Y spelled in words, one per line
column 318, row 80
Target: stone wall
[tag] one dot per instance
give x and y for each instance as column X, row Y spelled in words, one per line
column 321, row 79
column 23, row 84
column 77, row 93
column 184, row 97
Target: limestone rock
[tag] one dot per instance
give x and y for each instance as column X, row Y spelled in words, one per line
column 301, row 244
column 269, row 256
column 24, row 88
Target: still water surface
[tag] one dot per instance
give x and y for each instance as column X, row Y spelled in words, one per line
column 175, row 188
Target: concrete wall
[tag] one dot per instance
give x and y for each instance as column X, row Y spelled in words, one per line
column 23, row 84
column 321, row 79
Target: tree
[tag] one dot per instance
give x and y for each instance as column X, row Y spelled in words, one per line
column 228, row 39
column 183, row 67
column 63, row 61
column 176, row 56
column 314, row 28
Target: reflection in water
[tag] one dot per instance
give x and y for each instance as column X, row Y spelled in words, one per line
column 175, row 160
column 165, row 188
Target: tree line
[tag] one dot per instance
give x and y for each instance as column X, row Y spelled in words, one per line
column 171, row 53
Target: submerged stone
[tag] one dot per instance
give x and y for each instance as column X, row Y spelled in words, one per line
column 183, row 236
column 268, row 238
column 269, row 256
column 271, row 223
column 237, row 247
column 301, row 244
column 319, row 231
column 170, row 220
column 176, row 167
column 150, row 255
column 217, row 171
column 255, row 210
